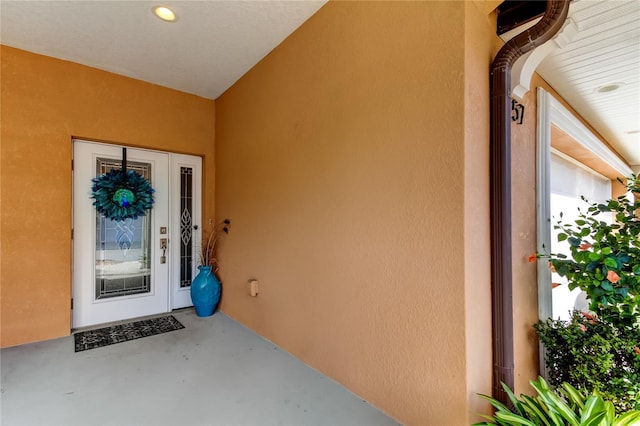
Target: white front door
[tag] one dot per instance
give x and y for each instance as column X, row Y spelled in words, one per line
column 120, row 269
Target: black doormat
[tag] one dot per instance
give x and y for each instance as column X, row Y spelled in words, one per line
column 92, row 339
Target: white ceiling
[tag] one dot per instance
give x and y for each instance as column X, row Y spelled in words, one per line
column 209, row 47
column 214, row 43
column 605, row 51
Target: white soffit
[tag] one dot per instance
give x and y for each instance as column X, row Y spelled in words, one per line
column 605, row 51
column 209, row 47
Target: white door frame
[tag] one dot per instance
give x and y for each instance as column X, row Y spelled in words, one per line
column 166, row 290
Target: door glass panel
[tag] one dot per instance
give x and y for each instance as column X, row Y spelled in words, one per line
column 123, row 248
column 186, row 226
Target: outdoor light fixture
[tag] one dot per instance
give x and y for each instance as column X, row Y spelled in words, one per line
column 164, row 13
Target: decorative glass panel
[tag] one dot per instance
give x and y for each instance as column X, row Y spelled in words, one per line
column 186, row 226
column 123, row 248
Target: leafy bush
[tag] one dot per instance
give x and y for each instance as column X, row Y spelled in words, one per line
column 605, row 257
column 594, row 354
column 600, row 351
column 566, row 406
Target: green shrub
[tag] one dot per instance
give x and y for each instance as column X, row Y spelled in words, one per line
column 605, row 257
column 565, row 406
column 600, row 351
column 594, row 354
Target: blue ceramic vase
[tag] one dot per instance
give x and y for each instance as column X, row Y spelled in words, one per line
column 205, row 292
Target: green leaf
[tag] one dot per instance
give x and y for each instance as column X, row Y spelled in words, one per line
column 631, row 418
column 484, row 423
column 496, row 404
column 490, row 422
column 594, row 406
column 574, row 395
column 594, row 420
column 611, row 262
column 513, row 419
column 555, row 418
column 606, row 285
column 543, row 389
column 513, row 399
column 539, row 385
column 575, row 242
column 535, row 410
column 610, row 411
column 563, row 409
column 562, row 237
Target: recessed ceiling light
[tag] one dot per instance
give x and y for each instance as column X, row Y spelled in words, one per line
column 608, row 88
column 164, row 13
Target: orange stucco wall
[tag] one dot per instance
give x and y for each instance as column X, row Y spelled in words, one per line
column 523, row 220
column 350, row 160
column 45, row 102
column 481, row 44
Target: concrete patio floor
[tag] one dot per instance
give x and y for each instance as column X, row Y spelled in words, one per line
column 212, row 372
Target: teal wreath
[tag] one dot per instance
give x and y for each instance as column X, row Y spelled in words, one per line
column 121, row 196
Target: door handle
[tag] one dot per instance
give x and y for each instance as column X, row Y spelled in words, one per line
column 163, row 247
